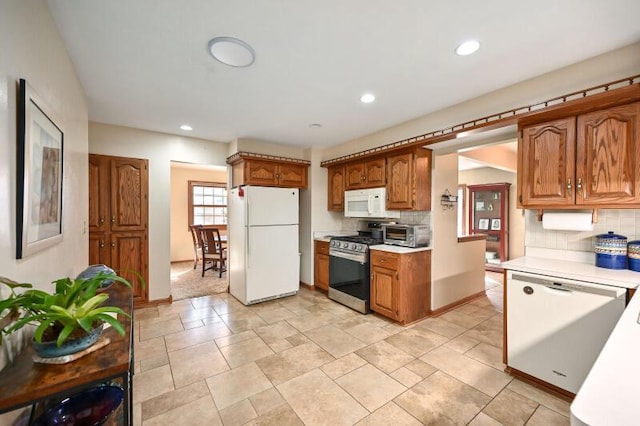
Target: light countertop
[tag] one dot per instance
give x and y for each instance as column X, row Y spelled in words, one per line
column 397, row 249
column 574, row 270
column 611, row 390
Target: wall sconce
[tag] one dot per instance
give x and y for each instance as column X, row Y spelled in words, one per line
column 448, row 201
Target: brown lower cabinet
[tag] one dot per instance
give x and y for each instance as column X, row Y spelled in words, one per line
column 321, row 265
column 118, row 217
column 401, row 285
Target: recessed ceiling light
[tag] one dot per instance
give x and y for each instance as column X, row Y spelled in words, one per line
column 467, row 48
column 315, row 125
column 186, row 127
column 367, row 98
column 232, row 51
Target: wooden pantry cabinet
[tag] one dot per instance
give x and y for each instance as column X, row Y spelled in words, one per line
column 409, row 180
column 118, row 217
column 254, row 169
column 365, row 174
column 321, row 265
column 401, row 285
column 589, row 160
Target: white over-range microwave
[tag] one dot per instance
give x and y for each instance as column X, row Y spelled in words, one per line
column 368, row 203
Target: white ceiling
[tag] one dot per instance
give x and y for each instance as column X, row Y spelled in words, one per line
column 145, row 64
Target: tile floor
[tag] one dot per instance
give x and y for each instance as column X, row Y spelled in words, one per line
column 307, row 360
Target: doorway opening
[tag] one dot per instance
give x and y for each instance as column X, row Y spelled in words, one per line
column 198, row 196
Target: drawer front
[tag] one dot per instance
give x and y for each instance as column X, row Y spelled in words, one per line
column 322, row 247
column 384, row 259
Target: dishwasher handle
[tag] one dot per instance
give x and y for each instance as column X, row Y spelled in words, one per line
column 569, row 286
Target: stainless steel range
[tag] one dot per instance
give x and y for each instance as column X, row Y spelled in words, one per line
column 349, row 281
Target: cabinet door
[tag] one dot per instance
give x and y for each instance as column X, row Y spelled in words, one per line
column 258, row 172
column 321, row 265
column 355, row 177
column 129, row 257
column 335, row 197
column 374, row 172
column 608, row 156
column 98, row 193
column 400, row 188
column 322, row 272
column 547, row 161
column 384, row 292
column 99, row 249
column 129, row 187
column 292, row 175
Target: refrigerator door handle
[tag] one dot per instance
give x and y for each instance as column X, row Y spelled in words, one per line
column 248, row 245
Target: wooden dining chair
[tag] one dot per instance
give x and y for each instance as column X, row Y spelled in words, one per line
column 213, row 251
column 196, row 235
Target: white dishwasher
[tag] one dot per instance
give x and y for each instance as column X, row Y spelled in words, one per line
column 557, row 327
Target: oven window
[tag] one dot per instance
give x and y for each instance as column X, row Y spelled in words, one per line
column 399, row 234
column 349, row 276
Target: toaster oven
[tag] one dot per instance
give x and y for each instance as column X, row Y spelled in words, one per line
column 406, row 235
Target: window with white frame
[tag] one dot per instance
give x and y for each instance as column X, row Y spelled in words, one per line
column 207, row 203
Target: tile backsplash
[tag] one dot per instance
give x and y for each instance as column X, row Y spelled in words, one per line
column 621, row 221
column 409, row 217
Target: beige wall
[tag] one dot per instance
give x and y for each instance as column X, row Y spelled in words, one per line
column 265, row 147
column 457, row 269
column 32, row 49
column 516, row 216
column 181, row 241
column 160, row 149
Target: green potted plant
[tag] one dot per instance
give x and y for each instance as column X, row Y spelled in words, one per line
column 67, row 320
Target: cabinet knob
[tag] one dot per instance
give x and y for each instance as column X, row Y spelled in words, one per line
column 113, row 245
column 569, row 186
column 383, row 260
column 113, row 219
column 101, row 220
column 579, row 185
column 101, row 244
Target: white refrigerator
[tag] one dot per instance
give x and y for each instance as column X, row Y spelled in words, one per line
column 263, row 258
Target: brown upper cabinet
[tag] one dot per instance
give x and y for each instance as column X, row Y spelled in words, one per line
column 335, row 187
column 365, row 174
column 409, row 180
column 268, row 172
column 585, row 161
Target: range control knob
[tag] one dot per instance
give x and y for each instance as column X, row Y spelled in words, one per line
column 353, row 246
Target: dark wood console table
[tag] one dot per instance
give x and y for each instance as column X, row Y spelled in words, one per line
column 24, row 382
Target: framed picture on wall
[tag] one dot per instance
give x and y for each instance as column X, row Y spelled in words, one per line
column 39, row 175
column 483, row 224
column 495, row 224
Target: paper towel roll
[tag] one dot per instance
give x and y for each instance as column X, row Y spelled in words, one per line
column 568, row 221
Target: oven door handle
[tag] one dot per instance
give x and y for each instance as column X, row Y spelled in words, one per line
column 354, row 257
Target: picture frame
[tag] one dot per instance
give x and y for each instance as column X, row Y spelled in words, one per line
column 495, row 224
column 40, row 149
column 483, row 224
